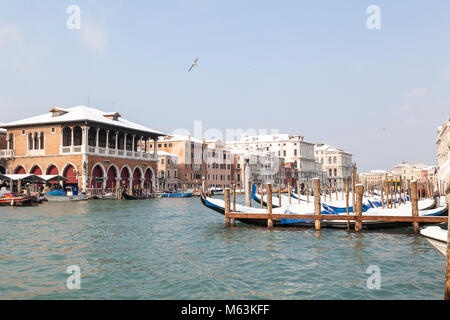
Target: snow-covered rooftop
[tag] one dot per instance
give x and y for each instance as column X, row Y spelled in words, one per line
column 164, row 153
column 81, row 113
column 179, row 137
column 1, row 129
column 326, row 147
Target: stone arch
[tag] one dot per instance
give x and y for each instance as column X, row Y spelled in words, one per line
column 112, row 173
column 98, row 171
column 138, row 174
column 125, row 174
column 69, row 171
column 36, row 169
column 149, row 179
column 52, row 169
column 19, row 170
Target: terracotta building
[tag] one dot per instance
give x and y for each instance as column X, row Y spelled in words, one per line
column 198, row 159
column 168, row 172
column 91, row 148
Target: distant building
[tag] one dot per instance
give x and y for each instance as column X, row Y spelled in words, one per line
column 263, row 168
column 168, row 172
column 93, row 149
column 294, row 149
column 443, row 156
column 3, row 145
column 408, row 171
column 198, row 159
column 373, row 178
column 336, row 163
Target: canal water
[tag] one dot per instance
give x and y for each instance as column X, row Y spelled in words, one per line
column 178, row 249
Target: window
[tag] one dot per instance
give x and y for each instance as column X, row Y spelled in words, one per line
column 165, row 145
column 162, row 161
column 30, row 141
column 335, row 172
column 159, row 145
column 170, row 145
column 284, row 153
column 295, row 152
column 168, row 160
column 23, row 132
column 41, row 140
column 53, row 130
column 168, row 173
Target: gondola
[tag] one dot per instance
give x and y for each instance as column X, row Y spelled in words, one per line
column 218, row 205
column 126, row 196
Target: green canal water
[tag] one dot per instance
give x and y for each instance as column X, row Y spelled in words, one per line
column 178, row 249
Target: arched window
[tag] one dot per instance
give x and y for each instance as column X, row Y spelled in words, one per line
column 36, row 141
column 335, row 172
column 92, row 138
column 41, row 140
column 329, row 160
column 330, row 172
column 335, row 160
column 102, row 138
column 112, row 140
column 11, row 141
column 30, row 141
column 67, row 137
column 77, row 136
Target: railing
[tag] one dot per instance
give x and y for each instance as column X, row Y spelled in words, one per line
column 92, row 150
column 6, row 153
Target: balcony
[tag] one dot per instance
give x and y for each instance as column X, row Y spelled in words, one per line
column 6, row 154
column 117, row 153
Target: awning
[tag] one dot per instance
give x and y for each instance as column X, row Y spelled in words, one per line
column 22, row 177
column 53, row 178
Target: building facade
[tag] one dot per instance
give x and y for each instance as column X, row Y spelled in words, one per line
column 336, row 163
column 90, row 148
column 293, row 149
column 198, row 160
column 168, row 172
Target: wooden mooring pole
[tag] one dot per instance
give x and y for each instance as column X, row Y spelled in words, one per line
column 347, row 200
column 298, row 191
column 359, row 197
column 269, row 206
column 262, row 195
column 227, row 206
column 415, row 205
column 249, row 199
column 317, row 205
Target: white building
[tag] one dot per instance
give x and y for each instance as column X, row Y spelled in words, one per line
column 292, row 148
column 443, row 156
column 335, row 162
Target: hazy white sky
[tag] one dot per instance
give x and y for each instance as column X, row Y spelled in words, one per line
column 308, row 68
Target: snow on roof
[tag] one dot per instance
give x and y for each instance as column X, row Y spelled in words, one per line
column 326, row 147
column 265, row 138
column 179, row 137
column 164, row 153
column 81, row 113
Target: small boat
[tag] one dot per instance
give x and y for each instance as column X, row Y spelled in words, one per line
column 177, row 194
column 437, row 237
column 70, row 195
column 13, row 199
column 216, row 191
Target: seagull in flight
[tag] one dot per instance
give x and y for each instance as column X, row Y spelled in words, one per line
column 193, row 64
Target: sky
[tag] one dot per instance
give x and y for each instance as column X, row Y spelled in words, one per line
column 309, row 68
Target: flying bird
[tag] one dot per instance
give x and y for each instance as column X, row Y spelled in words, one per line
column 193, row 64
